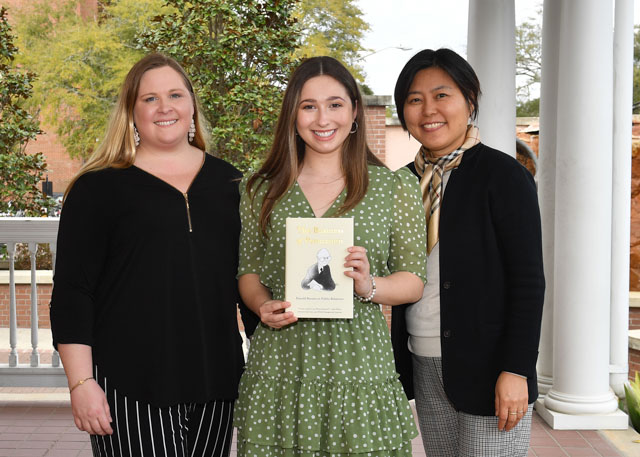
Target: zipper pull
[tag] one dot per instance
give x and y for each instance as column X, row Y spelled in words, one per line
column 186, row 201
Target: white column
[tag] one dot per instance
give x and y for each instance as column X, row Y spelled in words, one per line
column 35, row 353
column 580, row 391
column 547, row 180
column 621, row 198
column 13, row 310
column 491, row 53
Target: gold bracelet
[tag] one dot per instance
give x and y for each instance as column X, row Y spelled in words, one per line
column 79, row 383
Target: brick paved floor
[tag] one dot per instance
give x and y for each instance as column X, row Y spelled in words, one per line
column 546, row 442
column 45, row 428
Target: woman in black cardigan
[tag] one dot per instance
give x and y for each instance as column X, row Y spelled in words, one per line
column 468, row 348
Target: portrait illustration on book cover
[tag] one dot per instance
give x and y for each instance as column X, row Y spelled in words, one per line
column 318, row 275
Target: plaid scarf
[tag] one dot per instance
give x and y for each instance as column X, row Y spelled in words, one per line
column 432, row 169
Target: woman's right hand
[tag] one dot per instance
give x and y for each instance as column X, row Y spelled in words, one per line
column 274, row 314
column 90, row 409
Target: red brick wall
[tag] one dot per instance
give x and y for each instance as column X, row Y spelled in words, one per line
column 634, row 259
column 60, row 167
column 634, row 363
column 386, row 311
column 634, row 318
column 376, row 121
column 23, row 305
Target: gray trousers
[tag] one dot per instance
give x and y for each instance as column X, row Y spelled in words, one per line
column 450, row 433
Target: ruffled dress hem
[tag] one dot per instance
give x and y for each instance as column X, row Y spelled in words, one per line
column 331, row 418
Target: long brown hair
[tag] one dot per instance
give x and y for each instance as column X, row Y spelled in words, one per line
column 118, row 149
column 286, row 156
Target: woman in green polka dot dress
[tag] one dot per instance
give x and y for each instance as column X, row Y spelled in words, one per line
column 327, row 387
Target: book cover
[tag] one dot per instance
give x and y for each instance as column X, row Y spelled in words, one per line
column 315, row 283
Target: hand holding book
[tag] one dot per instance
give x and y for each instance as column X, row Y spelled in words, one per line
column 357, row 259
column 274, row 314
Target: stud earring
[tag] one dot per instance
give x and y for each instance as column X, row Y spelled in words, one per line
column 354, row 127
column 136, row 136
column 192, row 131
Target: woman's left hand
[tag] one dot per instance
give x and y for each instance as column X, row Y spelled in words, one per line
column 512, row 400
column 357, row 259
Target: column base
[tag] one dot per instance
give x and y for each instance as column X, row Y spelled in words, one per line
column 616, row 420
column 567, row 403
column 544, row 385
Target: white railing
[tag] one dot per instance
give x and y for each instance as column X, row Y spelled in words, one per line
column 31, row 231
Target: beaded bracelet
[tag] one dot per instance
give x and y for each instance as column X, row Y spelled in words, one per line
column 371, row 294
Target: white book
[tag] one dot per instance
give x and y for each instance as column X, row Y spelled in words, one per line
column 315, row 283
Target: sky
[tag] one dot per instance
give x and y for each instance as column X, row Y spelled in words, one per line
column 420, row 24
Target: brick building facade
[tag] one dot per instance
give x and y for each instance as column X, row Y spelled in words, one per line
column 376, row 116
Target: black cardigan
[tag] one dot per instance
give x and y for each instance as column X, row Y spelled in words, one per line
column 156, row 302
column 492, row 281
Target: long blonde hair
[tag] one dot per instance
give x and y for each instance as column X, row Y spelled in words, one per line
column 118, row 149
column 286, row 156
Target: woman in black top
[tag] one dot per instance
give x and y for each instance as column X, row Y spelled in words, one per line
column 143, row 308
column 472, row 340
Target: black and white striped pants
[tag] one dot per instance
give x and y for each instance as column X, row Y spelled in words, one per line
column 183, row 430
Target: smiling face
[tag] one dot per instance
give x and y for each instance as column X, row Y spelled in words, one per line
column 163, row 109
column 325, row 115
column 435, row 111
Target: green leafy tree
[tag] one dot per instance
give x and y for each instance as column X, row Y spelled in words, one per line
column 20, row 173
column 81, row 62
column 238, row 54
column 528, row 108
column 334, row 28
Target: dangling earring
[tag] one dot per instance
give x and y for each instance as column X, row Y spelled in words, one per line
column 409, row 134
column 192, row 131
column 136, row 135
column 354, row 127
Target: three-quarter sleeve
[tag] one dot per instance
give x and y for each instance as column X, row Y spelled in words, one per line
column 252, row 243
column 407, row 248
column 81, row 251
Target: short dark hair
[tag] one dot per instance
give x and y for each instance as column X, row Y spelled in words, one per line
column 447, row 60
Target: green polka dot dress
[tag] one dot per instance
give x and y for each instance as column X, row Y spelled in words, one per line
column 325, row 387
